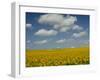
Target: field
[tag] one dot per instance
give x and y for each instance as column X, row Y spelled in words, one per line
column 57, row 57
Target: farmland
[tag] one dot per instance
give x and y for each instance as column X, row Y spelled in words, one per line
column 57, row 57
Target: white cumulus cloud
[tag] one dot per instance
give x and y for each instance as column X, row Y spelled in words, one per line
column 41, row 42
column 69, row 20
column 58, row 21
column 61, row 41
column 28, row 25
column 51, row 19
column 72, row 47
column 44, row 32
column 77, row 27
column 28, row 41
column 64, row 29
column 80, row 34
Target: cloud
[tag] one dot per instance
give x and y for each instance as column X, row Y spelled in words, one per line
column 80, row 34
column 77, row 27
column 58, row 21
column 28, row 41
column 64, row 29
column 51, row 19
column 72, row 47
column 61, row 41
column 40, row 42
column 44, row 32
column 68, row 20
column 28, row 25
column 58, row 47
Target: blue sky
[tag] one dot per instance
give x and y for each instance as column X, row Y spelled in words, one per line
column 50, row 30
